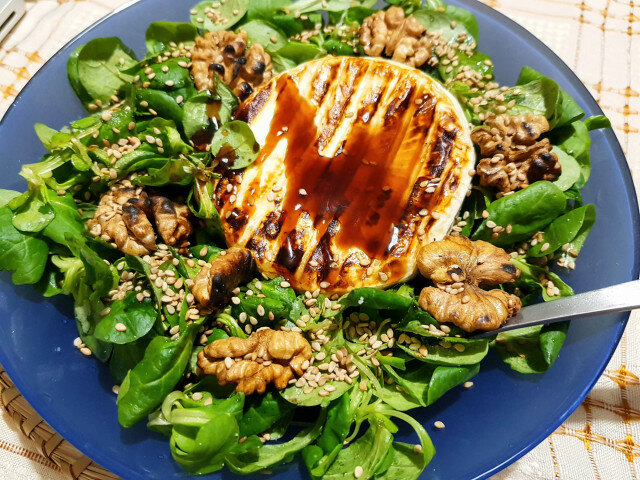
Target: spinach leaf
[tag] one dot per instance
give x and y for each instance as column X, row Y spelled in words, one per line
column 444, row 352
column 126, row 356
column 520, row 349
column 266, row 9
column 307, row 6
column 571, row 170
column 160, row 35
column 263, row 33
column 226, row 14
column 24, row 254
column 32, row 211
column 205, row 453
column 563, row 230
column 235, row 140
column 263, row 412
column 6, row 196
column 268, row 455
column 150, row 381
column 161, row 102
column 340, row 415
column 532, row 276
column 527, row 211
column 295, row 53
column 566, row 109
column 539, row 97
column 66, row 220
column 575, row 140
column 478, row 62
column 98, row 275
column 444, row 379
column 551, row 340
column 74, row 77
column 441, row 21
column 597, row 122
column 195, row 118
column 99, row 67
column 368, row 452
column 376, row 299
column 138, row 318
column 179, row 171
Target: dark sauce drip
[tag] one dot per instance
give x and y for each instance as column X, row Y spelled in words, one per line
column 363, row 186
column 441, row 151
column 236, row 219
column 291, row 252
column 226, row 157
column 203, row 137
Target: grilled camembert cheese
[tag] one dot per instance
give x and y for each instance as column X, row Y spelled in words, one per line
column 362, row 161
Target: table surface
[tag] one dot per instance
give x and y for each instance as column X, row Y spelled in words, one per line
column 600, row 41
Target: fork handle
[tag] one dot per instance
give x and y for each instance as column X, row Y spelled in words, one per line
column 618, row 298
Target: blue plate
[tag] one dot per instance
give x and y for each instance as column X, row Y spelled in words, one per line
column 489, row 426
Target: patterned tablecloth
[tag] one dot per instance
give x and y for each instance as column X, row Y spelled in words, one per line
column 600, row 40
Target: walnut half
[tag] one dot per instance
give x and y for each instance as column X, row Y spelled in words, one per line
column 125, row 215
column 393, row 34
column 225, row 53
column 513, row 157
column 213, row 284
column 458, row 267
column 267, row 356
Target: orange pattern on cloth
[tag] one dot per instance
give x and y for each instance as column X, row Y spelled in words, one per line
column 600, row 41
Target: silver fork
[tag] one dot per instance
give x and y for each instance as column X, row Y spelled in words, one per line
column 618, row 298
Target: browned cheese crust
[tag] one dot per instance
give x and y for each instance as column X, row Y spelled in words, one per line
column 362, row 161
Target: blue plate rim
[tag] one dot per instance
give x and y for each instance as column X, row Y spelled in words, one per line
column 609, row 134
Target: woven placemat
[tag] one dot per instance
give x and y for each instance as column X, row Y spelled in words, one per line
column 72, row 463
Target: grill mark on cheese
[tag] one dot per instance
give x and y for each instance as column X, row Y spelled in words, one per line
column 345, row 203
column 322, row 80
column 249, row 110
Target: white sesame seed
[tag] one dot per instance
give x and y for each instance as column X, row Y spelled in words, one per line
column 235, row 300
column 468, row 384
column 358, row 471
column 121, row 327
column 417, row 449
column 85, row 351
column 439, row 425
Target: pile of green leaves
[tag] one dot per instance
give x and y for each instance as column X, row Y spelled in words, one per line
column 44, row 242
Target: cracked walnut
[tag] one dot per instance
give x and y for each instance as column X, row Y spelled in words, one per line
column 267, row 356
column 458, row 267
column 513, row 154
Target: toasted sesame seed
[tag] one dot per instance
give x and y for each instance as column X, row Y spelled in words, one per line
column 228, row 362
column 468, row 384
column 439, row 425
column 106, row 115
column 121, row 327
column 235, row 300
column 85, row 351
column 417, row 449
column 358, row 471
column 491, row 224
